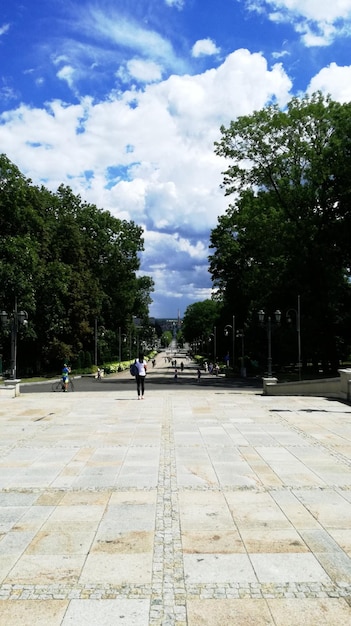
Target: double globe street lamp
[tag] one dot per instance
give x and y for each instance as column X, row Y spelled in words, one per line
column 277, row 316
column 13, row 321
column 261, row 317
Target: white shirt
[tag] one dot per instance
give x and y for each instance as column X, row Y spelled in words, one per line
column 141, row 367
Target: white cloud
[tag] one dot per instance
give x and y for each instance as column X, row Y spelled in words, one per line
column 129, row 34
column 66, row 73
column 316, row 10
column 180, row 269
column 178, row 4
column 318, row 21
column 144, row 71
column 4, row 29
column 334, row 80
column 280, row 54
column 204, row 47
column 148, row 155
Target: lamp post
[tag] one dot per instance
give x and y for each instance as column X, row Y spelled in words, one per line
column 261, row 317
column 14, row 320
column 121, row 337
column 99, row 332
column 241, row 335
column 214, row 335
column 95, row 342
column 226, row 333
column 298, row 329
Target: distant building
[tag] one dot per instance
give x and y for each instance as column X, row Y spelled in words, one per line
column 168, row 324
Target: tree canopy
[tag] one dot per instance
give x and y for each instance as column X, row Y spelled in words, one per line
column 287, row 231
column 70, row 265
column 199, row 320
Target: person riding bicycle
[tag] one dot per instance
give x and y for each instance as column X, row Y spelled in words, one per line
column 65, row 377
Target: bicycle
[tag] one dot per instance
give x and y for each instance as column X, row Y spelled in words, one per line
column 60, row 386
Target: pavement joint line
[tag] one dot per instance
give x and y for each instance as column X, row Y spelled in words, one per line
column 342, row 458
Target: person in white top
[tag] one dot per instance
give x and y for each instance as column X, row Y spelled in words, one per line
column 140, row 377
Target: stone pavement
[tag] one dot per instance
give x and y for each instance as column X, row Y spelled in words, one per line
column 203, row 506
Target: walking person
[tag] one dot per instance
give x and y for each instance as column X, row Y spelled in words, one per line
column 140, row 376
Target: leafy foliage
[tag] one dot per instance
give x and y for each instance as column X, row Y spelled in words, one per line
column 287, row 231
column 68, row 263
column 199, row 320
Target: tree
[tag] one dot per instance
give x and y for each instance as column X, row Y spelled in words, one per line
column 286, row 231
column 199, row 320
column 68, row 264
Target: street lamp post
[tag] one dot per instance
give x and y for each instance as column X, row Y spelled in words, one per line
column 98, row 332
column 261, row 316
column 214, row 335
column 95, row 342
column 15, row 319
column 241, row 335
column 298, row 329
column 121, row 337
column 226, row 333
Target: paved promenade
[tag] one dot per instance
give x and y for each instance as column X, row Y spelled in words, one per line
column 197, row 506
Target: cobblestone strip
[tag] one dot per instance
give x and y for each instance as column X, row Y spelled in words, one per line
column 269, row 590
column 73, row 592
column 173, row 614
column 168, row 597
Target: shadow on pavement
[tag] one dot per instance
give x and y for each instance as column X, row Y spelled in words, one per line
column 153, row 380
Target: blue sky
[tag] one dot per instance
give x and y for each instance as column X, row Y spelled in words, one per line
column 122, row 100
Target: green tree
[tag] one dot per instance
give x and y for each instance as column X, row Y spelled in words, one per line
column 285, row 232
column 68, row 264
column 199, row 320
column 166, row 338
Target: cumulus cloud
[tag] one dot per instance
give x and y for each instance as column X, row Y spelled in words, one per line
column 179, row 267
column 204, row 47
column 148, row 155
column 334, row 80
column 319, row 22
column 144, row 71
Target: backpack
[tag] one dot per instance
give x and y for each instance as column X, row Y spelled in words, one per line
column 133, row 369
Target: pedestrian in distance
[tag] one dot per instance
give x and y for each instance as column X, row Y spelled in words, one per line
column 140, row 376
column 198, row 374
column 66, row 370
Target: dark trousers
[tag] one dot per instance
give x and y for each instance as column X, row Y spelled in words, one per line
column 140, row 381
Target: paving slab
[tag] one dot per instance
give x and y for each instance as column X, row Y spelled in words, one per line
column 204, row 505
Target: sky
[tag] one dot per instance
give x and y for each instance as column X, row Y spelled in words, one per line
column 122, row 100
